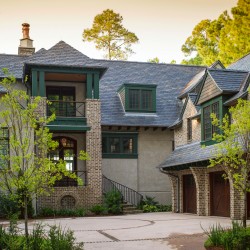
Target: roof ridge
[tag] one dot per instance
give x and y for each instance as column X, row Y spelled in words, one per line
column 228, row 70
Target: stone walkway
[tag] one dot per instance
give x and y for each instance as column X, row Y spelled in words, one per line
column 161, row 231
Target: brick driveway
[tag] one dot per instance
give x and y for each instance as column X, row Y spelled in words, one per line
column 141, row 231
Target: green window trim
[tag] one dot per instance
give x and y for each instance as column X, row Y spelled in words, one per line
column 120, row 145
column 139, row 98
column 4, row 145
column 207, row 129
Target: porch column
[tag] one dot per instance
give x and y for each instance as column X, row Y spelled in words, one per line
column 41, row 84
column 200, row 176
column 34, row 83
column 93, row 148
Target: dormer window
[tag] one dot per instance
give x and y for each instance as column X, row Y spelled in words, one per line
column 138, row 98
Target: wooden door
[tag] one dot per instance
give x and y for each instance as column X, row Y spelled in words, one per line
column 219, row 195
column 189, row 194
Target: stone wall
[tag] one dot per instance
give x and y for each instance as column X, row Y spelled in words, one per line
column 180, row 134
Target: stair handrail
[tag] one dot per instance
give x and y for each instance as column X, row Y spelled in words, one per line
column 129, row 195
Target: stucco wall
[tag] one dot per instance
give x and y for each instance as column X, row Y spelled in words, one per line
column 141, row 174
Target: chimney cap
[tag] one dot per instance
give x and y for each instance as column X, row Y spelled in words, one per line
column 25, row 25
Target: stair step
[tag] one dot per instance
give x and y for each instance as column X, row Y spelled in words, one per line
column 136, row 211
column 130, row 208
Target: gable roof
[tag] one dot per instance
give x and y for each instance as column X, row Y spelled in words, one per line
column 242, row 64
column 169, row 78
column 228, row 80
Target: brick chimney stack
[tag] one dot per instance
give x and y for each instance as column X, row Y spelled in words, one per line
column 26, row 44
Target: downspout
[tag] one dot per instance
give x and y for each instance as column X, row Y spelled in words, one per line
column 178, row 187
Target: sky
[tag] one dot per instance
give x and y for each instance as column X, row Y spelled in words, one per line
column 162, row 26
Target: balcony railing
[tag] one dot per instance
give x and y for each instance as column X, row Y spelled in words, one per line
column 66, row 108
column 69, row 182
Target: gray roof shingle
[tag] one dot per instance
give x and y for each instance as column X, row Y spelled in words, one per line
column 242, row 64
column 228, row 80
column 169, row 78
column 187, row 154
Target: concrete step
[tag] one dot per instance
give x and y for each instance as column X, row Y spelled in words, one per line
column 135, row 211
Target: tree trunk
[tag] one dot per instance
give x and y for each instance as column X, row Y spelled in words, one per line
column 26, row 216
column 244, row 217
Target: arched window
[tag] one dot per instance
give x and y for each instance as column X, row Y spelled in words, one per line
column 66, row 151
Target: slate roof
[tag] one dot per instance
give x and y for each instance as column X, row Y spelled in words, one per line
column 169, row 78
column 228, row 80
column 13, row 63
column 61, row 54
column 187, row 155
column 242, row 64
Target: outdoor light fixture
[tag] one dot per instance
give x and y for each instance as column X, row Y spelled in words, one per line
column 64, row 142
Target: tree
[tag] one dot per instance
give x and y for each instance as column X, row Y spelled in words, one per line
column 154, row 60
column 233, row 150
column 26, row 169
column 108, row 34
column 226, row 38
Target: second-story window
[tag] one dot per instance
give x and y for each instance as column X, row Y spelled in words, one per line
column 189, row 129
column 138, row 97
column 208, row 128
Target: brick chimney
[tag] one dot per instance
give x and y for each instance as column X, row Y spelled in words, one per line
column 26, row 44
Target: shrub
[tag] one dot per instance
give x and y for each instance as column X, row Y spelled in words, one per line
column 98, row 209
column 8, row 206
column 113, row 202
column 150, row 205
column 237, row 238
column 39, row 239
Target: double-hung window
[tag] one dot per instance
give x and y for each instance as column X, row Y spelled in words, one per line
column 119, row 145
column 4, row 146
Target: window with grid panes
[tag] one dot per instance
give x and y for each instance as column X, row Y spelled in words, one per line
column 208, row 128
column 119, row 145
column 4, row 145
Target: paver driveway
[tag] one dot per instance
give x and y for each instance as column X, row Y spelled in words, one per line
column 141, row 231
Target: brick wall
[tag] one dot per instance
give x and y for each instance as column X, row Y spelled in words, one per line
column 91, row 194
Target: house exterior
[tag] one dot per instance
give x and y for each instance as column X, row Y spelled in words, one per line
column 195, row 187
column 141, row 124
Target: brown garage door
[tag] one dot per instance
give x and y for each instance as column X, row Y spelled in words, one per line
column 189, row 194
column 220, row 195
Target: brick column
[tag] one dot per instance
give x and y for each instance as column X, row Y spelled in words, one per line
column 93, row 148
column 200, row 176
column 236, row 203
column 174, row 185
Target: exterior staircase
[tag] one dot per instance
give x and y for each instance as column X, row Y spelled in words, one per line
column 130, row 209
column 131, row 198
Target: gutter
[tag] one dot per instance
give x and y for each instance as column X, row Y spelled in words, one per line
column 178, row 187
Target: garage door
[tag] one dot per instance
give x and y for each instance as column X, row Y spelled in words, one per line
column 220, row 195
column 189, row 194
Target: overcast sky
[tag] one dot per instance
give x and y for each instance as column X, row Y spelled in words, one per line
column 162, row 26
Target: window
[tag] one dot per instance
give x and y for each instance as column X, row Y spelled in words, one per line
column 62, row 101
column 66, row 151
column 208, row 128
column 138, row 98
column 189, row 129
column 119, row 145
column 4, row 145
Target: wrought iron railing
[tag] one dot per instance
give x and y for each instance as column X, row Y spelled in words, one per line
column 66, row 108
column 129, row 195
column 70, row 182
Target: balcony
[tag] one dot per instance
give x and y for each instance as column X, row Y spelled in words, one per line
column 70, row 116
column 69, row 182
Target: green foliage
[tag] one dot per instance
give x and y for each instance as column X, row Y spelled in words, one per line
column 226, row 38
column 108, row 34
column 233, row 151
column 48, row 212
column 237, row 238
column 150, row 205
column 113, row 202
column 154, row 60
column 8, row 206
column 55, row 239
column 98, row 209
